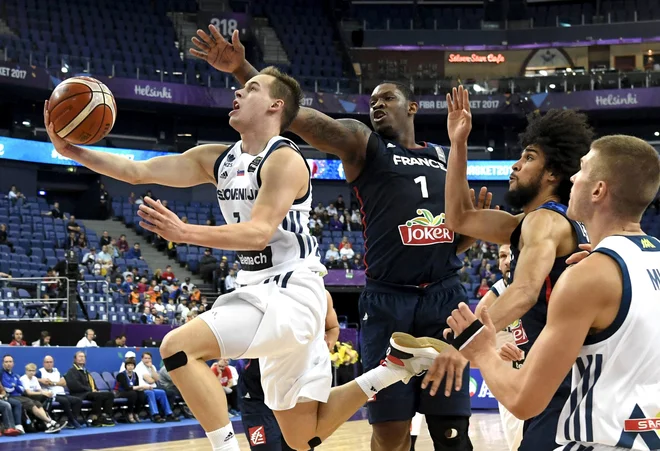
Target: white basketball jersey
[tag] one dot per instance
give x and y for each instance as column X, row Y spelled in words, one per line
column 615, row 398
column 292, row 246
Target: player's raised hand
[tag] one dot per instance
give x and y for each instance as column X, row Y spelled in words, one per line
column 459, row 117
column 483, row 340
column 162, row 221
column 215, row 50
column 579, row 256
column 484, row 201
column 449, row 363
column 509, row 352
column 61, row 146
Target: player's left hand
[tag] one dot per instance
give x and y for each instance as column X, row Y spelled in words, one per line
column 579, row 256
column 483, row 342
column 449, row 363
column 459, row 117
column 484, row 200
column 158, row 219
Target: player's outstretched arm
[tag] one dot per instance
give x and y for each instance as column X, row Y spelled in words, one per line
column 461, row 216
column 541, row 234
column 284, row 178
column 346, row 138
column 482, row 202
column 585, row 298
column 190, row 168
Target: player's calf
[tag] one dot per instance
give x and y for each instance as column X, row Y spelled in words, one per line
column 391, row 436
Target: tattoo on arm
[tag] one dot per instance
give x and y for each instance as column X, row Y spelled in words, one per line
column 339, row 137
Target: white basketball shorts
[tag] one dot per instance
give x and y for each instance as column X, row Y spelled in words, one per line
column 280, row 321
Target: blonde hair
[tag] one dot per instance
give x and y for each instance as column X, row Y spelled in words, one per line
column 30, row 367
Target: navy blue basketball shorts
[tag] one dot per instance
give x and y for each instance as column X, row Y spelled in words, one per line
column 261, row 428
column 422, row 312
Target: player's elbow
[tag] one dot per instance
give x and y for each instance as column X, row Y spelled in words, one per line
column 262, row 233
column 524, row 409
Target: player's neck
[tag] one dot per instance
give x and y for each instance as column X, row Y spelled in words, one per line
column 602, row 225
column 254, row 142
column 539, row 200
column 407, row 139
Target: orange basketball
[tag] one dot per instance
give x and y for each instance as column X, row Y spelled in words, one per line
column 82, row 110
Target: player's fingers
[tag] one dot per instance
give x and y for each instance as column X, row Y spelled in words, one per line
column 459, row 97
column 455, row 327
column 472, row 196
column 205, row 37
column 585, row 247
column 447, row 334
column 466, row 101
column 577, row 257
column 236, row 40
column 216, row 34
column 489, row 200
column 449, row 379
column 450, row 107
column 201, row 44
column 454, row 95
column 149, row 227
column 483, row 192
column 467, row 314
column 504, row 355
column 430, row 374
column 197, row 54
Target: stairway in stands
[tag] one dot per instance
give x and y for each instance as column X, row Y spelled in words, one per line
column 150, row 254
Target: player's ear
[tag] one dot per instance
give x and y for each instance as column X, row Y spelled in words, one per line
column 413, row 107
column 599, row 191
column 277, row 105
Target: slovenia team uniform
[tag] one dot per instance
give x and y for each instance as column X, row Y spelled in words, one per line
column 539, row 432
column 411, row 268
column 615, row 381
column 261, row 428
column 513, row 427
column 277, row 313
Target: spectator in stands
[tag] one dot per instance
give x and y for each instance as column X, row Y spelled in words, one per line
column 355, row 222
column 55, row 212
column 105, row 239
column 207, row 264
column 347, row 250
column 50, row 379
column 3, row 237
column 105, row 260
column 345, row 263
column 17, row 338
column 14, row 195
column 33, row 388
column 229, row 380
column 142, row 285
column 340, row 205
column 71, row 241
column 10, row 413
column 230, row 281
column 127, row 286
column 43, row 341
column 331, row 262
column 128, row 385
column 165, row 382
column 112, row 249
column 89, row 259
column 464, row 275
column 88, row 340
column 122, row 245
column 159, row 319
column 493, row 279
column 119, row 342
column 82, row 240
column 357, row 262
column 487, row 271
column 332, row 252
column 149, row 376
column 15, row 389
column 474, row 253
column 128, row 355
column 331, row 211
column 134, row 296
column 72, row 225
column 81, row 385
column 335, row 224
column 104, row 202
column 132, row 199
column 150, row 194
column 135, row 252
column 188, row 284
column 220, row 275
column 147, row 317
column 182, row 309
column 482, row 289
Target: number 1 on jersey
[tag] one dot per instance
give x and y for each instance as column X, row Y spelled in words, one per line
column 422, row 181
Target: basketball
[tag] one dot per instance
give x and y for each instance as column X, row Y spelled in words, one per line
column 82, row 110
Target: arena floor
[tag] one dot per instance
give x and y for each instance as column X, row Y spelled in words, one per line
column 485, row 431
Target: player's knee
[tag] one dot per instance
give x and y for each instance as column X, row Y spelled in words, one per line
column 450, row 432
column 391, row 434
column 300, row 442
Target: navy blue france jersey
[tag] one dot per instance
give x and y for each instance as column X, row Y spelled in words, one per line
column 535, row 319
column 402, row 200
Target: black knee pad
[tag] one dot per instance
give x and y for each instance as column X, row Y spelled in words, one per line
column 449, row 433
column 313, row 443
column 176, row 360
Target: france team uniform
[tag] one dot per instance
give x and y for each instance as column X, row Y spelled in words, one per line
column 411, row 268
column 615, row 381
column 539, row 432
column 261, row 428
column 278, row 312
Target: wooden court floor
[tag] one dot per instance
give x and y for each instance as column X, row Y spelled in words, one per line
column 485, row 432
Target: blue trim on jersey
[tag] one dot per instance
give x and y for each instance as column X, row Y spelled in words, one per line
column 626, row 299
column 276, row 279
column 645, row 243
column 287, row 276
column 587, row 383
column 298, row 223
column 588, row 415
column 276, row 145
column 494, row 291
column 218, row 162
column 301, row 243
column 574, row 403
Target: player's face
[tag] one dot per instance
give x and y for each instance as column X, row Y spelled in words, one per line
column 580, row 207
column 504, row 258
column 526, row 178
column 252, row 102
column 388, row 110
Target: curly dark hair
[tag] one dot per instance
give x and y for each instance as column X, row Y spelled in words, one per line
column 564, row 136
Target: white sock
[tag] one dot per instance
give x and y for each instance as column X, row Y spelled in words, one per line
column 223, row 439
column 379, row 378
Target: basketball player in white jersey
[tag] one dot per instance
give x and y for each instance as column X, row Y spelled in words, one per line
column 278, row 312
column 602, row 315
column 506, row 345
